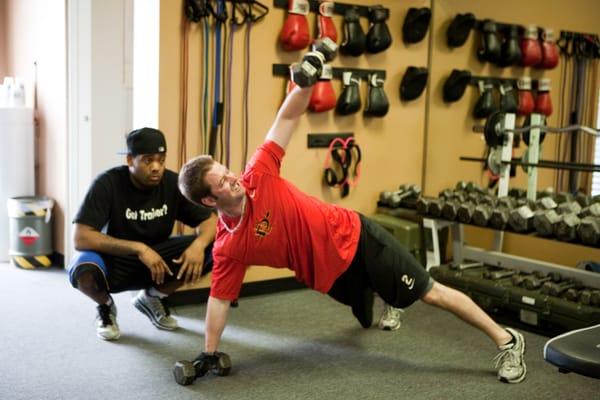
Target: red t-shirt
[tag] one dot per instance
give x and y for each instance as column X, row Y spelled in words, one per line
column 282, row 227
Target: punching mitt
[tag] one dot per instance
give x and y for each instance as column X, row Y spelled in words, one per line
column 355, row 41
column 459, row 29
column 416, row 24
column 455, row 85
column 413, row 83
column 379, row 37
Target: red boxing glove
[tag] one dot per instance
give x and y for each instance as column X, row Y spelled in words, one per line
column 549, row 50
column 323, row 97
column 526, row 101
column 543, row 102
column 325, row 22
column 531, row 50
column 294, row 34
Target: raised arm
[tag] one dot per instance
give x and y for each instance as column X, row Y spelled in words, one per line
column 294, row 105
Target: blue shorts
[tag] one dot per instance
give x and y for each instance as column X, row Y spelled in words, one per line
column 120, row 273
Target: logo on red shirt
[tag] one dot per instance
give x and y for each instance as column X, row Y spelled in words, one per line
column 263, row 227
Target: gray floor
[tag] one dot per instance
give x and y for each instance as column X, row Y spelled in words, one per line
column 292, row 345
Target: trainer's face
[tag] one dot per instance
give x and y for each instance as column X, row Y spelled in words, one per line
column 226, row 189
column 146, row 170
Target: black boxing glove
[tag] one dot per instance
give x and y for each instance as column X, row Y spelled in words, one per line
column 379, row 37
column 510, row 53
column 508, row 101
column 377, row 101
column 459, row 29
column 416, row 24
column 490, row 50
column 485, row 104
column 413, row 83
column 349, row 101
column 355, row 41
column 455, row 85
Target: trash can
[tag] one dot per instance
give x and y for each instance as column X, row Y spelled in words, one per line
column 30, row 231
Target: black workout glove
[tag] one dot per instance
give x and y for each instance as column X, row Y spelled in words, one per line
column 216, row 362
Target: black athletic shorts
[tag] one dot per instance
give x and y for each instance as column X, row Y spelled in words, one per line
column 120, row 273
column 383, row 265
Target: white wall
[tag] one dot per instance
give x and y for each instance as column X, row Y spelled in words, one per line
column 100, row 93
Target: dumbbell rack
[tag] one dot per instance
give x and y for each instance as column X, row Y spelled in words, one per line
column 468, row 256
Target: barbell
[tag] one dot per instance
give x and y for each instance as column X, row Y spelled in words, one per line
column 493, row 131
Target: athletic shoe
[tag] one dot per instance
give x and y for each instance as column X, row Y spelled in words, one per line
column 510, row 363
column 390, row 319
column 155, row 310
column 106, row 322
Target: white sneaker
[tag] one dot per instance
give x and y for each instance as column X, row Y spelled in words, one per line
column 390, row 319
column 510, row 363
column 156, row 310
column 106, row 322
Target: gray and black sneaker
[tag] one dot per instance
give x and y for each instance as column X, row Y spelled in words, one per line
column 391, row 318
column 106, row 322
column 155, row 310
column 510, row 363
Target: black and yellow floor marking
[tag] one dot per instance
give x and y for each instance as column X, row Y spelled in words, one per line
column 31, row 262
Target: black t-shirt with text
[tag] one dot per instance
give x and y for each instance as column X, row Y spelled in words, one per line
column 130, row 213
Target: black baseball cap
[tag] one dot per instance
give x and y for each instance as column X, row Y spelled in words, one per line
column 145, row 141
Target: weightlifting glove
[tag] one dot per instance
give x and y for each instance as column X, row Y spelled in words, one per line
column 378, row 37
column 377, row 101
column 323, row 97
column 325, row 22
column 218, row 363
column 485, row 104
column 355, row 41
column 490, row 50
column 459, row 29
column 349, row 101
column 294, row 34
column 416, row 24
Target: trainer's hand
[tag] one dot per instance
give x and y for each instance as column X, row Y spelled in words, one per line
column 155, row 264
column 192, row 261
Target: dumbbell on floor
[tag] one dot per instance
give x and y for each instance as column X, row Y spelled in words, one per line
column 218, row 363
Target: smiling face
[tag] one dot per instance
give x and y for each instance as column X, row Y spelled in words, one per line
column 225, row 188
column 146, row 170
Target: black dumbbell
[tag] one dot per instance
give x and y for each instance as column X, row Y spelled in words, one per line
column 563, row 197
column 585, row 296
column 591, row 210
column 566, row 228
column 588, row 230
column 537, row 279
column 517, row 280
column 499, row 217
column 465, row 212
column 423, row 204
column 218, row 363
column 544, row 222
column 495, row 275
column 308, row 71
column 572, row 294
column 595, row 298
column 555, row 289
column 517, row 193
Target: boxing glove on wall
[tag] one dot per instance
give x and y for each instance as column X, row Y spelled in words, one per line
column 355, row 41
column 294, row 35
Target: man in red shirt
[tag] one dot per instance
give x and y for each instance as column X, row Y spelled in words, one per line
column 265, row 220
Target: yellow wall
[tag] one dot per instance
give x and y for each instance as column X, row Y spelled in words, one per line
column 449, row 133
column 393, row 147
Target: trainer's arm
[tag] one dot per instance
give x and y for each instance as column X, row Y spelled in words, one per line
column 216, row 318
column 86, row 237
column 288, row 116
